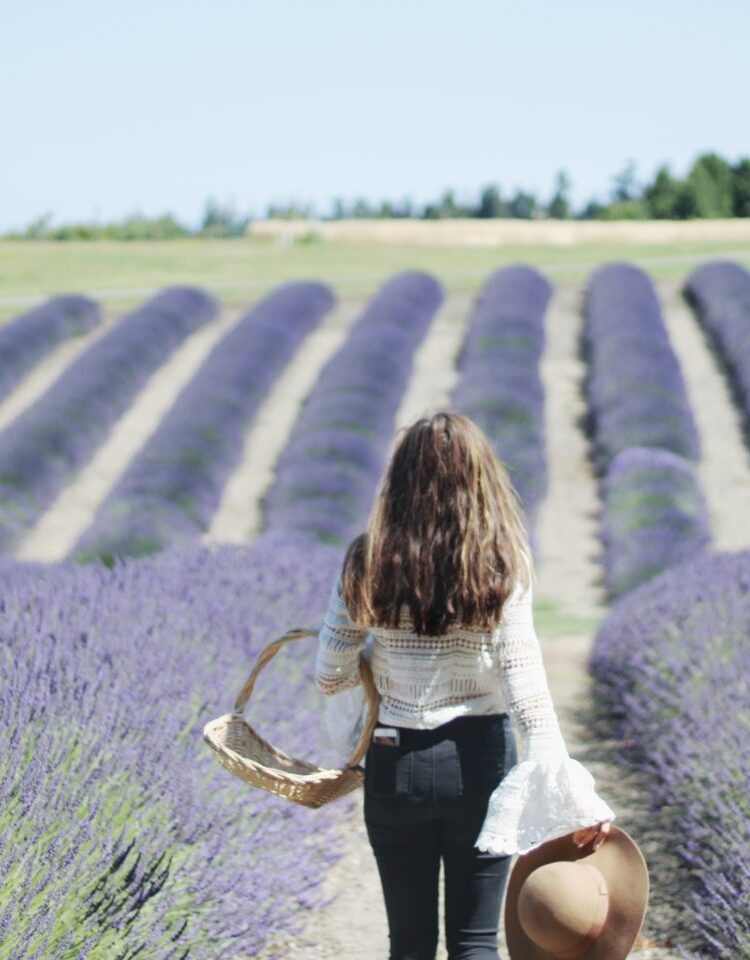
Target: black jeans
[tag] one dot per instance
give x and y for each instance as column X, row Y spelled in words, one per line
column 425, row 800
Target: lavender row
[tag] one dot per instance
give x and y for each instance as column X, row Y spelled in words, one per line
column 43, row 447
column 720, row 294
column 645, row 439
column 328, row 471
column 671, row 662
column 120, row 834
column 171, row 489
column 634, row 386
column 500, row 386
column 27, row 339
column 654, row 520
column 655, row 516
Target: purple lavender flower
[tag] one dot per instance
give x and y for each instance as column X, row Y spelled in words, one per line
column 672, row 661
column 500, row 386
column 720, row 293
column 654, row 516
column 635, row 389
column 57, row 435
column 25, row 340
column 172, row 487
column 327, row 474
column 113, row 811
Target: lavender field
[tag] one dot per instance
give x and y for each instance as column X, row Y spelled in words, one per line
column 120, row 835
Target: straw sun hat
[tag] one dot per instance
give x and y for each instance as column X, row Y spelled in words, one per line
column 568, row 903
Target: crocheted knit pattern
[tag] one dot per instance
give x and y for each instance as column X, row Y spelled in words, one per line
column 426, row 681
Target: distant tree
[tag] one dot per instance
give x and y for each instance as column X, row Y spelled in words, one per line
column 663, row 196
column 591, row 211
column 76, row 231
column 139, row 227
column 708, row 188
column 213, row 215
column 559, row 205
column 339, row 211
column 39, row 228
column 741, row 188
column 624, row 183
column 289, row 211
column 491, row 204
column 635, row 209
column 404, row 209
column 448, row 208
column 445, row 208
column 222, row 221
column 523, row 206
column 362, row 209
column 134, row 227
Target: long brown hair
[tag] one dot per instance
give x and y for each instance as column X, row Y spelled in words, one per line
column 445, row 536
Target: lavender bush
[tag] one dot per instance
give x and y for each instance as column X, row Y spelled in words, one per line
column 654, row 516
column 634, row 386
column 43, row 447
column 500, row 386
column 672, row 662
column 25, row 340
column 172, row 487
column 328, row 471
column 120, row 834
column 720, row 293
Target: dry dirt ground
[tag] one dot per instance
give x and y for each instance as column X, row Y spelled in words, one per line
column 488, row 233
column 57, row 530
column 239, row 515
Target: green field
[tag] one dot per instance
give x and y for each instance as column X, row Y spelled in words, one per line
column 120, row 274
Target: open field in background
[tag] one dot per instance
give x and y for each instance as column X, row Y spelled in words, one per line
column 491, row 232
column 119, row 275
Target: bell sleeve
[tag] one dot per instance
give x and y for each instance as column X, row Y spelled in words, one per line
column 547, row 794
column 340, row 642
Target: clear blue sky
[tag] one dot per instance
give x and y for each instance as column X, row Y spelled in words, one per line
column 112, row 107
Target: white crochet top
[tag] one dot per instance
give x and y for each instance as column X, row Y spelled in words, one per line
column 426, row 681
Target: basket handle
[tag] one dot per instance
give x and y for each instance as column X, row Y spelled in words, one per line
column 365, row 673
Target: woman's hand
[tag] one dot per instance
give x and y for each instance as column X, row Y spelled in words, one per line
column 598, row 834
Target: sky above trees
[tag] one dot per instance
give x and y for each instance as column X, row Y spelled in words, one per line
column 117, row 108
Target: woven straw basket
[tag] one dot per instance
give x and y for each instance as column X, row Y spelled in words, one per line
column 247, row 755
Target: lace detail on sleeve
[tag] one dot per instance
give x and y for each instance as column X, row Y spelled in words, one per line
column 524, row 681
column 537, row 801
column 340, row 642
column 547, row 794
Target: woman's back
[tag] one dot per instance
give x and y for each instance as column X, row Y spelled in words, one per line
column 424, row 681
column 440, row 585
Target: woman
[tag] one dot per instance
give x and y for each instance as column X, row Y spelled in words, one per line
column 442, row 582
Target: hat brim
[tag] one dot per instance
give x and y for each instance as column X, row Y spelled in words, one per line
column 624, row 868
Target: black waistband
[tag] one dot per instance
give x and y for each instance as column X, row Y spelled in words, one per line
column 465, row 726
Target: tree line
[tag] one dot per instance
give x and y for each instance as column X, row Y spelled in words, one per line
column 712, row 188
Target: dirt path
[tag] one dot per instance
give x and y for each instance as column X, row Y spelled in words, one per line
column 569, row 561
column 571, row 601
column 57, row 530
column 238, row 516
column 725, row 466
column 435, row 374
